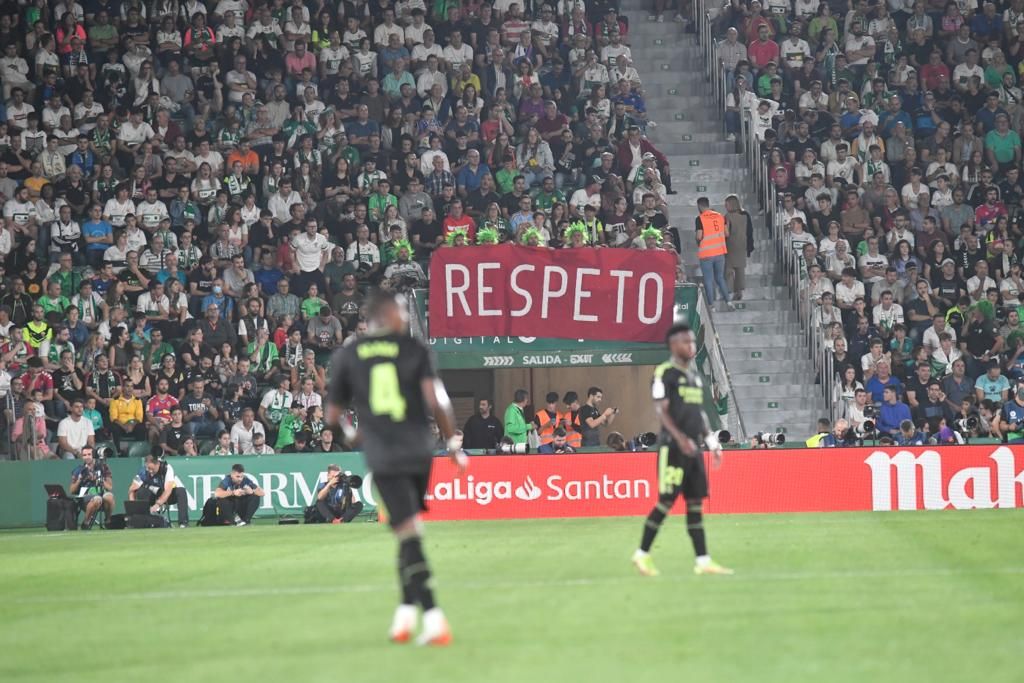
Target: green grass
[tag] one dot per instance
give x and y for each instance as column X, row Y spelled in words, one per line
column 919, row 596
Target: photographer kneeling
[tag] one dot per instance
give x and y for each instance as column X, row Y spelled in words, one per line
column 92, row 486
column 156, row 485
column 334, row 502
column 235, row 500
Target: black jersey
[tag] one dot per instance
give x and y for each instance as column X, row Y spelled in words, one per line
column 380, row 376
column 685, row 393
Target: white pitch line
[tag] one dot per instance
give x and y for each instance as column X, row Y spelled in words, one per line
column 500, row 585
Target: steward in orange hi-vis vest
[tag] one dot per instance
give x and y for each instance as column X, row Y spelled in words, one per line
column 712, row 242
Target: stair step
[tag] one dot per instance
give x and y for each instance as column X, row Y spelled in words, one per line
column 772, row 368
column 729, row 329
column 797, row 423
column 736, row 352
column 766, row 392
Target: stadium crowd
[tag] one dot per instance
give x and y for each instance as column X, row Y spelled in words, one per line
column 197, row 196
column 890, row 132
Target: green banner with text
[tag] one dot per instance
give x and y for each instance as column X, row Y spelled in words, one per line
column 289, row 482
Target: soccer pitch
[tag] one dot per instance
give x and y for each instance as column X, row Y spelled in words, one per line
column 911, row 596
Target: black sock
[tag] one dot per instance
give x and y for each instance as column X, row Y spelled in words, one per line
column 407, row 597
column 415, row 574
column 695, row 527
column 653, row 522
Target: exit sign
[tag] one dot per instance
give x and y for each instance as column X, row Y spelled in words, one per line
column 673, row 91
column 755, row 354
column 773, row 404
column 764, row 379
column 687, row 138
column 694, row 162
column 747, row 329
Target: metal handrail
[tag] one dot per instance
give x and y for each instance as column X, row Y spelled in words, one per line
column 767, row 194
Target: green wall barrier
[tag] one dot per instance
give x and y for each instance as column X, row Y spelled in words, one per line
column 289, row 482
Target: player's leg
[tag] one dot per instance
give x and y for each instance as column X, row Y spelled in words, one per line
column 403, row 498
column 695, row 490
column 669, row 479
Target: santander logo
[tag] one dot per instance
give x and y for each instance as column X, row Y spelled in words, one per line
column 998, row 485
column 528, row 490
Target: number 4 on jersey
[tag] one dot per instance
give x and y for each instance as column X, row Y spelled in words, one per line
column 385, row 393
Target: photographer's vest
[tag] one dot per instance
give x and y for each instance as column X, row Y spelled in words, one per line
column 712, row 244
column 573, row 436
column 546, row 423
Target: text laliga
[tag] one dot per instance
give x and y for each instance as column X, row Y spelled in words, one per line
column 550, row 291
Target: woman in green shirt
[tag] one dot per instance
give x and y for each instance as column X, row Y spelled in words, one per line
column 312, row 304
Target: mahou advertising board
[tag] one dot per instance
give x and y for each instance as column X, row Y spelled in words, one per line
column 756, row 481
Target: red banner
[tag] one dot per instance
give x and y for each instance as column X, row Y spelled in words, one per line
column 756, row 481
column 599, row 294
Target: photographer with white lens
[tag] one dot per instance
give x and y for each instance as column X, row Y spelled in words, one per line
column 92, row 485
column 334, row 499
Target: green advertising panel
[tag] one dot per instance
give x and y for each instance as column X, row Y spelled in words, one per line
column 289, row 482
column 470, row 353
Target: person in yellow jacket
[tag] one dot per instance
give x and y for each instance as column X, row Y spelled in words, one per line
column 126, row 416
column 712, row 232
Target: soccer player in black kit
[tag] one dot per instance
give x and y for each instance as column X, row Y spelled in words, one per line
column 388, row 378
column 678, row 395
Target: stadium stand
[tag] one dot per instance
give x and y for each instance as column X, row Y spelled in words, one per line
column 883, row 139
column 197, row 196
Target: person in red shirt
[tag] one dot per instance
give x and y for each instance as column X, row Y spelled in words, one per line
column 764, row 49
column 457, row 220
column 934, row 72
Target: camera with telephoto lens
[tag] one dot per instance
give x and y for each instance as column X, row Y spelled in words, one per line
column 104, row 452
column 351, row 480
column 967, row 425
column 870, row 411
column 867, row 427
column 508, row 447
column 642, row 441
column 768, row 439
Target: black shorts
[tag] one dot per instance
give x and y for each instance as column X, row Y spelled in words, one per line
column 401, row 495
column 678, row 473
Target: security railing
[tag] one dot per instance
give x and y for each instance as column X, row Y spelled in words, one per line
column 794, row 270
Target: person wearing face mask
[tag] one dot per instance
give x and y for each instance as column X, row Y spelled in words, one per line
column 225, row 305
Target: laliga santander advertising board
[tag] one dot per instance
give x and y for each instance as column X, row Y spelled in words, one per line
column 750, row 481
column 597, row 294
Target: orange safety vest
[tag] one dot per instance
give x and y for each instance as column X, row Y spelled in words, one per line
column 546, row 423
column 573, row 436
column 712, row 224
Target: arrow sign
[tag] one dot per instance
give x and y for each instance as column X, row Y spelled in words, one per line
column 610, row 358
column 498, row 361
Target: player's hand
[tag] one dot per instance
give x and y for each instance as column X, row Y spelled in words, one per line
column 154, row 508
column 460, row 460
column 716, row 458
column 688, row 446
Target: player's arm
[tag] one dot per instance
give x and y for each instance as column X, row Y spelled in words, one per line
column 437, row 400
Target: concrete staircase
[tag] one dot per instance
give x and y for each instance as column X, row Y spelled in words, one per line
column 764, row 351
